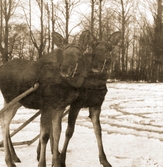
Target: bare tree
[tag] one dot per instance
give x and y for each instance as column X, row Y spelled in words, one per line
column 92, row 16
column 53, row 23
column 64, row 11
column 100, row 19
column 124, row 11
column 42, row 41
column 7, row 8
column 38, row 37
column 154, row 40
column 157, row 42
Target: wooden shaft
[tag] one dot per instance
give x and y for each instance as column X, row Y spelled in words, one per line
column 15, row 100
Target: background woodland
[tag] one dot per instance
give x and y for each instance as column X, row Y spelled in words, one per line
column 27, row 27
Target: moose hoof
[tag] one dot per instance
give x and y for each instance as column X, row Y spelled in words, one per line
column 38, row 157
column 63, row 165
column 106, row 165
column 16, row 159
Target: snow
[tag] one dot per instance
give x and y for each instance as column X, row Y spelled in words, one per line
column 132, row 129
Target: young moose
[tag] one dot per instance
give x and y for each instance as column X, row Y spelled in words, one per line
column 59, row 74
column 91, row 94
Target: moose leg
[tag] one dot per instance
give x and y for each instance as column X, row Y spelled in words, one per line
column 95, row 114
column 6, row 118
column 56, row 131
column 51, row 140
column 13, row 153
column 38, row 149
column 45, row 125
column 73, row 113
column 39, row 143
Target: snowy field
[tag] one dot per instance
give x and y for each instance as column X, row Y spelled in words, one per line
column 132, row 124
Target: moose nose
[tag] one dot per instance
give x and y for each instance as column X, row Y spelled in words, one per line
column 66, row 71
column 65, row 75
column 95, row 70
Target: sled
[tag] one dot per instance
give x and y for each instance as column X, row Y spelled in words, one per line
column 16, row 99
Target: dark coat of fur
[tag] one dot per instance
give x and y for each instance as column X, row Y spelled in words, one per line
column 19, row 75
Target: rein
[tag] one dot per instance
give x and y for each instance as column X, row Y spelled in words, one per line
column 103, row 67
column 76, row 67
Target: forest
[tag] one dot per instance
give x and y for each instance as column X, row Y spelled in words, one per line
column 27, row 27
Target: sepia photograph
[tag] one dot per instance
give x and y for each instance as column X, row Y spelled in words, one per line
column 81, row 83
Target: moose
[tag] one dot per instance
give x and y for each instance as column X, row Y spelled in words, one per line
column 59, row 76
column 91, row 94
column 61, row 83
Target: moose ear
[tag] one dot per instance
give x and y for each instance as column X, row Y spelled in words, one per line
column 85, row 39
column 59, row 41
column 115, row 38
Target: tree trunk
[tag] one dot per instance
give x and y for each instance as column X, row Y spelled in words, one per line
column 41, row 48
column 123, row 41
column 67, row 19
column 92, row 16
column 100, row 20
column 157, row 42
column 6, row 13
column 53, row 22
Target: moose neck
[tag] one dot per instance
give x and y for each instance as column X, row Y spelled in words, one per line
column 95, row 80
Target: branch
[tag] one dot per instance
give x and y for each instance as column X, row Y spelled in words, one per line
column 74, row 27
column 31, row 34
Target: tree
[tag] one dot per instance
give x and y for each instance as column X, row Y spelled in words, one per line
column 154, row 39
column 64, row 12
column 100, row 20
column 124, row 11
column 92, row 16
column 7, row 8
column 157, row 41
column 42, row 40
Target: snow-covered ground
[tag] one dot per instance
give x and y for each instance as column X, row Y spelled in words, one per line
column 132, row 123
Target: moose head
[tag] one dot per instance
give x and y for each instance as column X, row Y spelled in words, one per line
column 72, row 56
column 102, row 56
